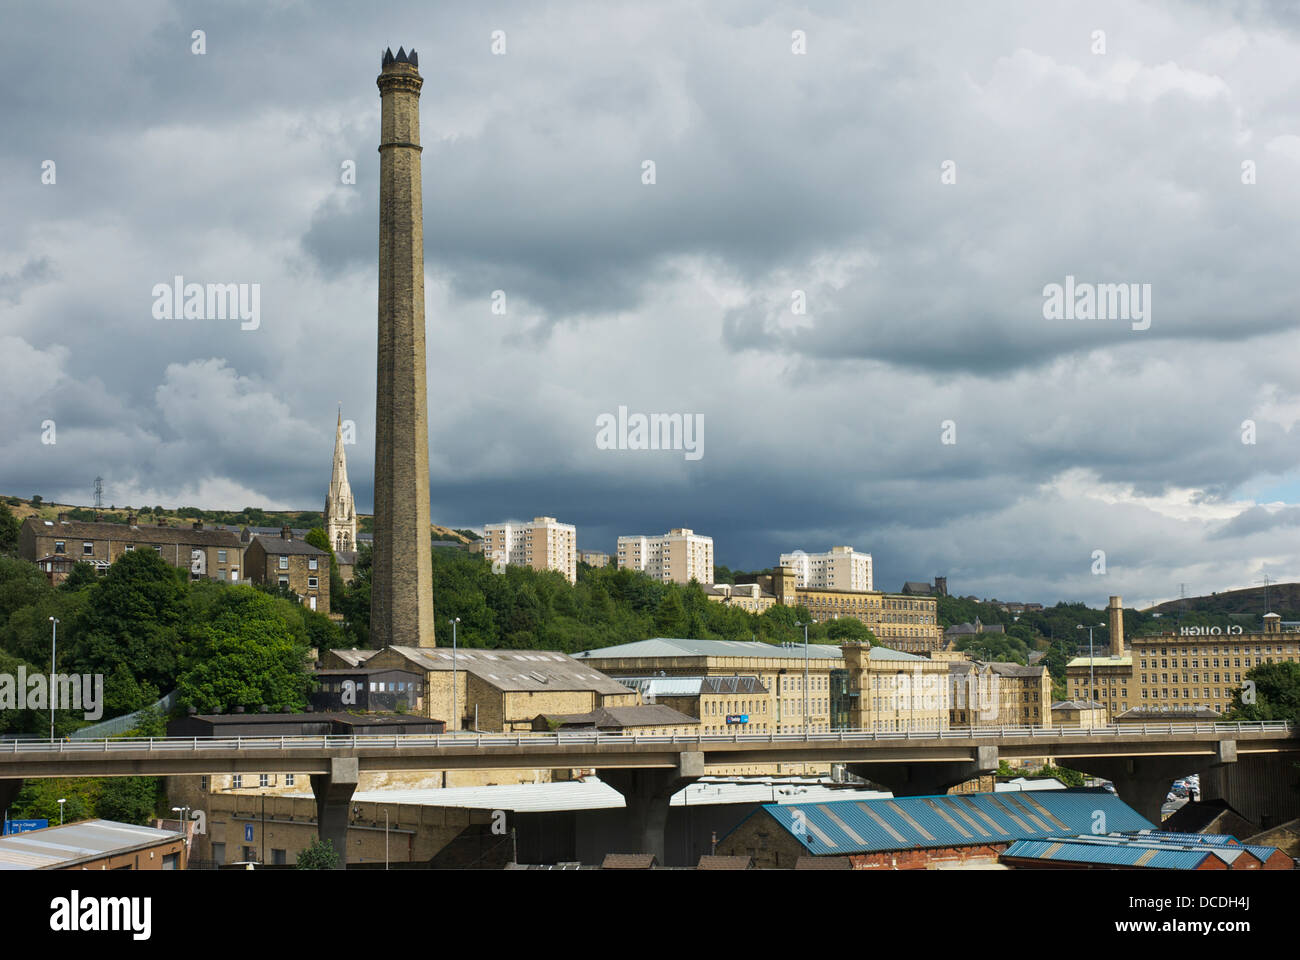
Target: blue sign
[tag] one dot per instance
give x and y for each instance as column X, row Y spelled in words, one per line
column 737, row 718
column 248, row 832
column 24, row 826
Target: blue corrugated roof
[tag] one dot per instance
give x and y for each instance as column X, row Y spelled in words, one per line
column 1080, row 850
column 1203, row 839
column 865, row 826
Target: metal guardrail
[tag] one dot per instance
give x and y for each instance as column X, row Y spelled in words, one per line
column 545, row 740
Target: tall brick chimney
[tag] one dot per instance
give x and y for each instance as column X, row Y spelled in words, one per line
column 1116, row 611
column 401, row 595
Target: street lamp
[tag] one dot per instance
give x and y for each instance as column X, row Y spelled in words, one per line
column 1092, row 690
column 54, row 645
column 185, row 839
column 61, row 803
column 455, row 723
column 805, row 674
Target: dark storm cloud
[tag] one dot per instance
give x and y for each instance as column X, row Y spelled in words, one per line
column 775, row 173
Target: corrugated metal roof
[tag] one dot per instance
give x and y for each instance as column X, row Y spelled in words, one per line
column 864, row 826
column 48, row 848
column 1078, row 850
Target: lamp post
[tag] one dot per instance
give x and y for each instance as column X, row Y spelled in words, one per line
column 61, row 803
column 805, row 674
column 1092, row 690
column 54, row 646
column 455, row 711
column 185, row 839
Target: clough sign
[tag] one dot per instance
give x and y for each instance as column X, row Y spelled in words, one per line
column 1208, row 631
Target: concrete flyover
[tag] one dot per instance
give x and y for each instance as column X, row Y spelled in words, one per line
column 1140, row 759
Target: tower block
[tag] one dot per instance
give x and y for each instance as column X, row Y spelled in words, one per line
column 401, row 598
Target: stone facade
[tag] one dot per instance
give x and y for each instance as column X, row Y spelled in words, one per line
column 205, row 552
column 292, row 563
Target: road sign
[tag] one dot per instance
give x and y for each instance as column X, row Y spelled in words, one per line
column 24, row 826
column 737, row 718
column 248, row 833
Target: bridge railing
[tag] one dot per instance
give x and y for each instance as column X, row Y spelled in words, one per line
column 540, row 740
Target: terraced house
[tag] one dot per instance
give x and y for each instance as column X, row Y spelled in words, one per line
column 205, row 552
column 287, row 561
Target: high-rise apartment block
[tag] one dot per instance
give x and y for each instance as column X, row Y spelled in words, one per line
column 679, row 556
column 543, row 544
column 840, row 568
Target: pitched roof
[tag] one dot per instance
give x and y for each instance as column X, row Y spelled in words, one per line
column 515, row 669
column 642, row 715
column 354, row 656
column 823, row 863
column 715, row 862
column 92, row 530
column 68, row 844
column 693, row 686
column 902, row 823
column 277, row 545
column 661, row 647
column 1016, row 670
column 1079, row 850
column 629, row 861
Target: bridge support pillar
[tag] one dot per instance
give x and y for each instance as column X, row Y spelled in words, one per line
column 648, row 793
column 333, row 792
column 8, row 791
column 926, row 779
column 1143, row 782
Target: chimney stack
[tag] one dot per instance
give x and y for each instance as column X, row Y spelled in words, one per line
column 286, row 533
column 1116, row 611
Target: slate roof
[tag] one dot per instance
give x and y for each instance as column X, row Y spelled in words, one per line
column 903, row 823
column 277, row 545
column 714, row 862
column 629, row 861
column 92, row 530
column 1016, row 670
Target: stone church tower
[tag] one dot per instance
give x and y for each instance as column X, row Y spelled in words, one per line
column 401, row 581
column 340, row 511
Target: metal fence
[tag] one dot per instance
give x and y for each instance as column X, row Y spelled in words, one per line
column 541, row 741
column 120, row 725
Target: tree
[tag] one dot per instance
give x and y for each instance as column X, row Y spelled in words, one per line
column 1276, row 694
column 320, row 855
column 9, row 529
column 137, row 617
column 82, row 575
column 129, row 799
column 670, row 618
column 247, row 657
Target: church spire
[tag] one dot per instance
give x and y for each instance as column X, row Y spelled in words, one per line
column 340, row 512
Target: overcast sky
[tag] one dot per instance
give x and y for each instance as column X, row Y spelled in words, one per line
column 775, row 172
